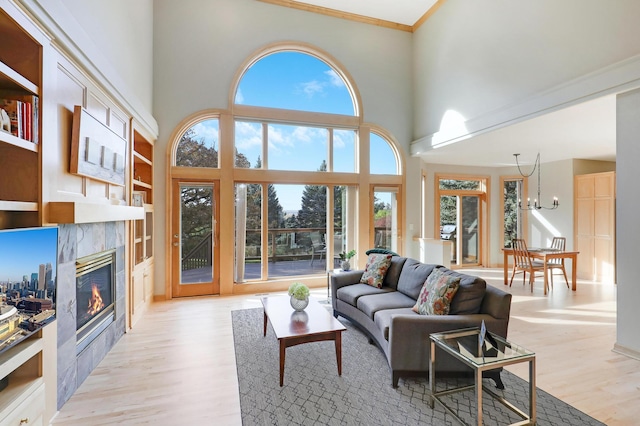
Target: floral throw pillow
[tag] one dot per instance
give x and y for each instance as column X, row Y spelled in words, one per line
column 376, row 269
column 436, row 294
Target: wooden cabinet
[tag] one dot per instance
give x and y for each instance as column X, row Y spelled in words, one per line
column 30, row 365
column 594, row 226
column 20, row 81
column 142, row 176
column 30, row 396
column 141, row 288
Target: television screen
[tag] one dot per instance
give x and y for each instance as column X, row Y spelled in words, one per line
column 28, row 273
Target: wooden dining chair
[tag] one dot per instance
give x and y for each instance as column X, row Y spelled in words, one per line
column 524, row 263
column 558, row 243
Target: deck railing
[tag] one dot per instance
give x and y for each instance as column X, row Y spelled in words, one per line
column 284, row 244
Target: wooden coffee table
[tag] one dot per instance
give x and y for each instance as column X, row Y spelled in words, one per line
column 314, row 324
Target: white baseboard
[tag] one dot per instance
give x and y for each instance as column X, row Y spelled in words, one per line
column 622, row 350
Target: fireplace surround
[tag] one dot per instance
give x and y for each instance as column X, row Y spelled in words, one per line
column 79, row 355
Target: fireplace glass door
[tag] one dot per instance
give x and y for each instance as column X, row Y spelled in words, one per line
column 193, row 235
column 94, row 293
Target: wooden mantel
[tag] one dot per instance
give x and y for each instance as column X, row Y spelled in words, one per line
column 79, row 212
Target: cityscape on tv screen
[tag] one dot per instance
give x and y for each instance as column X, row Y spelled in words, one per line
column 28, row 263
column 28, row 273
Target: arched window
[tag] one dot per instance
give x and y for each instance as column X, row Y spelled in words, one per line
column 297, row 81
column 198, row 145
column 289, row 152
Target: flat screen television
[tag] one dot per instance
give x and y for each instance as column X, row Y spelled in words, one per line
column 28, row 275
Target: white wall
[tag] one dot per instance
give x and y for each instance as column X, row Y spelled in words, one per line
column 628, row 231
column 112, row 41
column 122, row 31
column 199, row 46
column 495, row 62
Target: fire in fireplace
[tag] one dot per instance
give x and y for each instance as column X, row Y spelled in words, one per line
column 94, row 294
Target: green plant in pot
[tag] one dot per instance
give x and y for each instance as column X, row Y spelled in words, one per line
column 344, row 257
column 299, row 296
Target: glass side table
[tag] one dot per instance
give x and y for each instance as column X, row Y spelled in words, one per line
column 495, row 352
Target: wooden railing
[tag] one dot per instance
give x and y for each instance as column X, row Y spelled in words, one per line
column 199, row 256
column 284, row 244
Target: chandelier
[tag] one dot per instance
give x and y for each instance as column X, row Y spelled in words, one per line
column 537, row 203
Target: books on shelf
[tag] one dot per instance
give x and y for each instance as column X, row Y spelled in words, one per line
column 24, row 114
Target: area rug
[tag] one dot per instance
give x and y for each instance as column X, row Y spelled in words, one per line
column 314, row 394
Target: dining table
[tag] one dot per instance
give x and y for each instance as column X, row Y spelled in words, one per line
column 545, row 255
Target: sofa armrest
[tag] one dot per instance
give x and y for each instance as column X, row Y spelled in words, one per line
column 496, row 303
column 409, row 343
column 342, row 279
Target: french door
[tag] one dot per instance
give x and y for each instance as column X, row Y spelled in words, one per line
column 195, row 261
column 460, row 218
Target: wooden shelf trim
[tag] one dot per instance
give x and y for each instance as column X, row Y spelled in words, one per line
column 79, row 212
column 18, row 355
column 142, row 159
column 9, row 139
column 18, row 206
column 142, row 184
column 19, row 389
column 18, row 79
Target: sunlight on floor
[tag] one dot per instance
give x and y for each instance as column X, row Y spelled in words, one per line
column 558, row 321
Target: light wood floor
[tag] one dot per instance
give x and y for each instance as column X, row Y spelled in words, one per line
column 177, row 366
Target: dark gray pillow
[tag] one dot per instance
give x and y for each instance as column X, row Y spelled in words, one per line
column 393, row 273
column 468, row 298
column 413, row 276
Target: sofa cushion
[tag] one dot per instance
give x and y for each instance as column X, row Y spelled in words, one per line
column 373, row 303
column 383, row 318
column 468, row 298
column 413, row 276
column 351, row 293
column 436, row 294
column 376, row 269
column 393, row 274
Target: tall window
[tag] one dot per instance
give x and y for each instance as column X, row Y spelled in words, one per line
column 295, row 144
column 513, row 221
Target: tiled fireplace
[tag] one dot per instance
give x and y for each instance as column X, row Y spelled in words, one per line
column 90, row 307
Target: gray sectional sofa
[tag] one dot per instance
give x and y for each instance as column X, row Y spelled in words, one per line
column 385, row 315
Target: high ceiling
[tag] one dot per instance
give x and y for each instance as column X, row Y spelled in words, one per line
column 406, row 12
column 584, row 131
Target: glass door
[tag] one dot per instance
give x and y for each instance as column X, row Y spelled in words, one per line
column 460, row 224
column 195, row 270
column 469, row 250
column 385, row 218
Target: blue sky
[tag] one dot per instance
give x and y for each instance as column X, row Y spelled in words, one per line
column 23, row 250
column 297, row 81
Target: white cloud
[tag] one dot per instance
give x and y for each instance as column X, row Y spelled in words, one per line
column 205, row 130
column 248, row 135
column 334, row 79
column 239, row 97
column 310, row 88
column 309, row 134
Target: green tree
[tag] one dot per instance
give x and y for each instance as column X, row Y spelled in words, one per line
column 197, row 202
column 510, row 211
column 313, row 207
column 192, row 152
